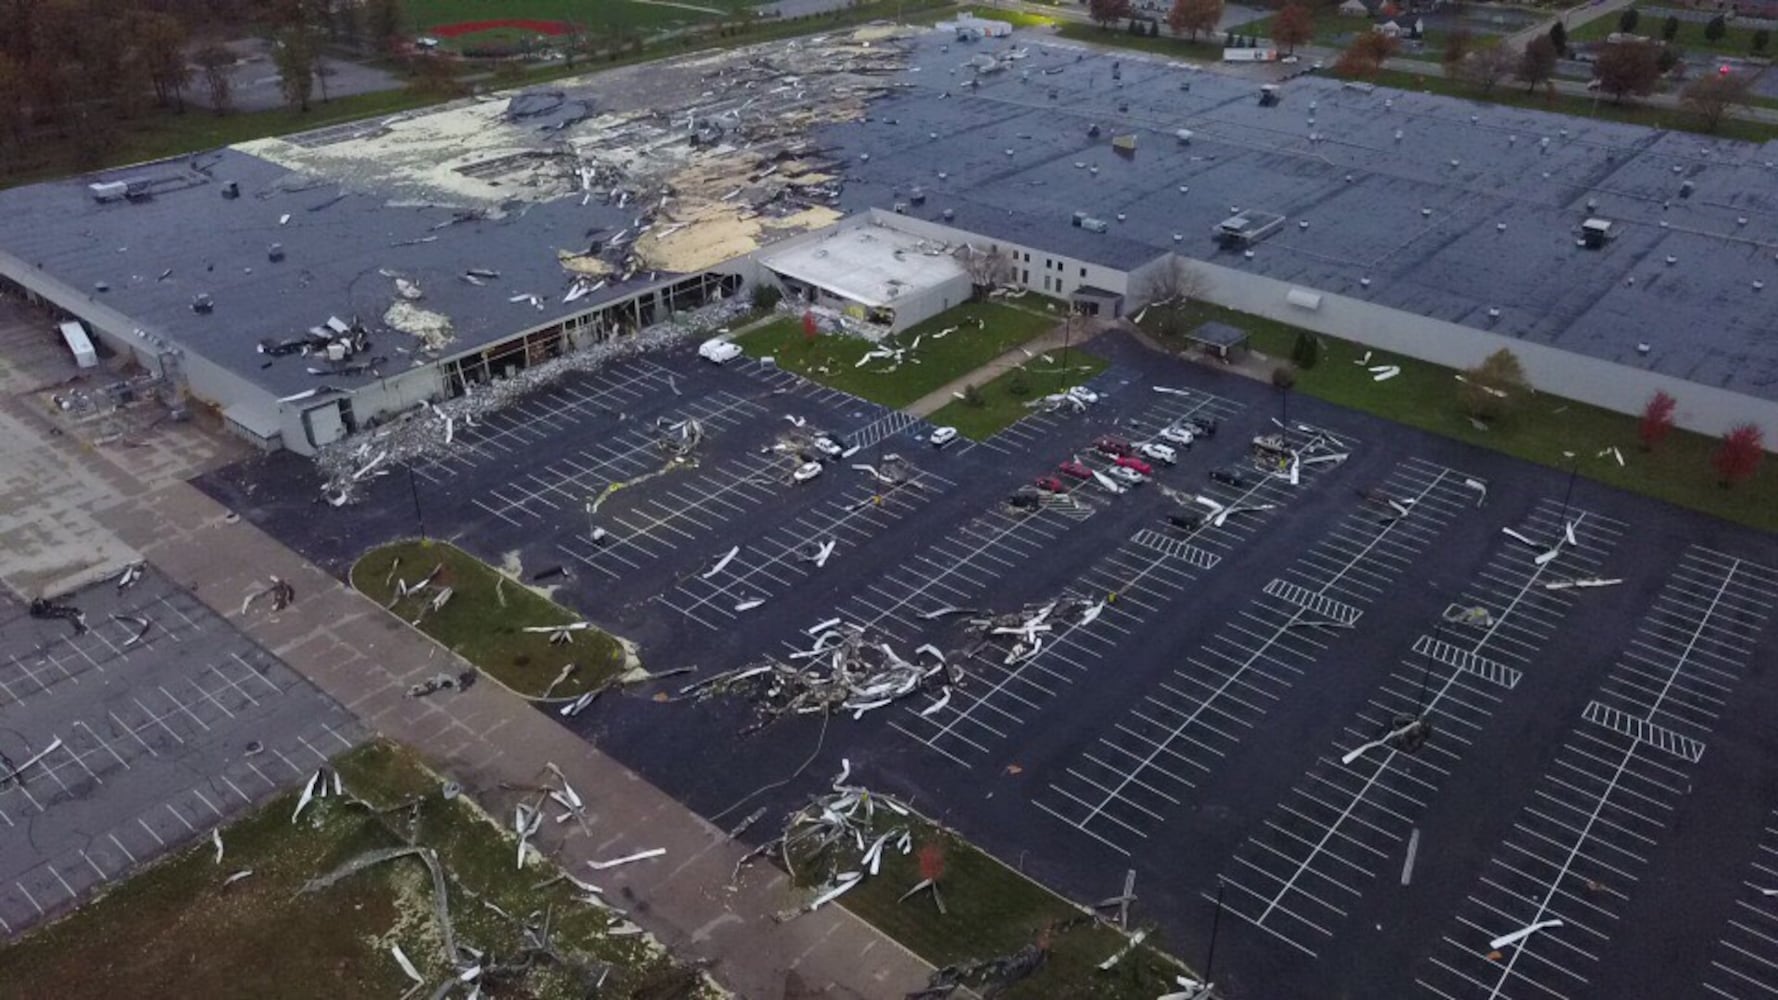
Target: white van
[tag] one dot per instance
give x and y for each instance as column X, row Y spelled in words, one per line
column 718, row 351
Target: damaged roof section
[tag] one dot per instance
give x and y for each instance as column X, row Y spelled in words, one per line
column 433, row 234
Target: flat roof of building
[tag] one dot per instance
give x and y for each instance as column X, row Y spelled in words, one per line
column 870, row 265
column 643, row 173
column 1450, row 208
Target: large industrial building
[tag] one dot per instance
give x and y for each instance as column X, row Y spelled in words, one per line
column 310, row 284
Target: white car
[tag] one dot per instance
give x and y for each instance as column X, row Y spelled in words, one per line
column 943, row 436
column 1127, row 477
column 1083, row 394
column 828, row 446
column 1109, row 484
column 1158, row 452
column 718, row 351
column 806, row 472
column 1177, row 435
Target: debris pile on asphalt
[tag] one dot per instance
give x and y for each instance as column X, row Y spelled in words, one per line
column 847, row 668
column 1022, row 632
column 43, row 607
column 429, row 430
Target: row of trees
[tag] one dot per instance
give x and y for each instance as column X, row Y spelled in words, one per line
column 1737, row 456
column 74, row 72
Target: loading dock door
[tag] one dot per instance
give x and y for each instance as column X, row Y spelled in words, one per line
column 323, row 424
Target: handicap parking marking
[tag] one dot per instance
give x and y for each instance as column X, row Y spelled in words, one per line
column 1346, row 820
column 569, row 484
column 767, row 566
column 1127, row 781
column 1618, row 782
column 1744, row 961
column 1137, row 579
column 537, row 417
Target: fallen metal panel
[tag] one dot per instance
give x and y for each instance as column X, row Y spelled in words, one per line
column 1151, row 539
column 1312, row 602
column 1466, row 661
column 1643, row 731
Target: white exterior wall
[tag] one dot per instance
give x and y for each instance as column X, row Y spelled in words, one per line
column 1046, row 273
column 1626, row 389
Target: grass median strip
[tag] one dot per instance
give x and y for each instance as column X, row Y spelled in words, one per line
column 1004, row 400
column 990, row 911
column 833, row 359
column 485, row 616
column 183, row 928
column 1540, row 430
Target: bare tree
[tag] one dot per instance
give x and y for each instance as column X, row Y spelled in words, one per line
column 294, row 51
column 1483, row 68
column 1713, row 95
column 161, row 40
column 1537, row 63
column 986, row 268
column 215, row 61
column 1169, row 293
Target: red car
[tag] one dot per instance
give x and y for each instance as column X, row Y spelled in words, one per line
column 1113, row 446
column 1050, row 484
column 1075, row 470
column 1134, row 464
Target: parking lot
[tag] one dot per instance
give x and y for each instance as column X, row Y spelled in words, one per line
column 143, row 733
column 1387, row 707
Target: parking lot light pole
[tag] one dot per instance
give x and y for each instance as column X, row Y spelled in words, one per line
column 1067, row 336
column 414, row 488
column 1568, row 494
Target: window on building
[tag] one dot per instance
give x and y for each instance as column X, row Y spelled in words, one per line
column 1083, row 272
column 1027, row 276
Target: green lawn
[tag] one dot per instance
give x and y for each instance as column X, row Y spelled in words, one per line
column 995, row 911
column 1208, row 48
column 1001, row 406
column 1736, row 40
column 833, row 360
column 484, row 618
column 1424, row 396
column 1579, row 107
column 176, row 930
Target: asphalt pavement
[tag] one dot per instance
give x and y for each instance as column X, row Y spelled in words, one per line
column 1232, row 722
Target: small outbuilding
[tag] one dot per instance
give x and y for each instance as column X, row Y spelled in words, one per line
column 1220, row 339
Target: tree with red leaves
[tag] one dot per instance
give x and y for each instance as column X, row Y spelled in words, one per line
column 1657, row 420
column 810, row 329
column 1739, row 455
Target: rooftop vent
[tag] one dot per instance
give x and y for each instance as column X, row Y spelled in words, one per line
column 231, row 189
column 1269, row 96
column 1595, row 232
column 1094, row 225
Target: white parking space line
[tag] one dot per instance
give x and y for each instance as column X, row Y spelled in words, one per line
column 688, row 510
column 1201, row 710
column 1343, row 822
column 571, row 483
column 1577, row 851
column 1744, row 962
column 535, row 418
column 767, row 566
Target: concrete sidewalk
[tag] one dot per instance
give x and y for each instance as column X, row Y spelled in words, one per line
column 70, row 512
column 1046, row 343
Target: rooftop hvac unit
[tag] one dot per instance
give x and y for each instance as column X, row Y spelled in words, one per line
column 1246, row 228
column 1094, row 225
column 1594, row 233
column 108, row 191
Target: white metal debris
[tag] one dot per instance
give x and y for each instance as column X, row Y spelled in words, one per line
column 1582, row 583
column 216, row 838
column 406, row 965
column 627, row 859
column 308, row 796
column 722, row 562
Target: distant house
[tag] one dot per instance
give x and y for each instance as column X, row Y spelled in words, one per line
column 1354, row 8
column 1405, row 26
